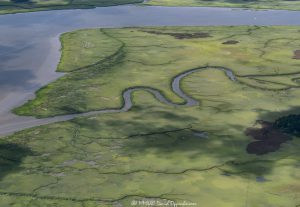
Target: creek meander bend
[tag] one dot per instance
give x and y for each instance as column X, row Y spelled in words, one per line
column 188, row 100
column 127, row 101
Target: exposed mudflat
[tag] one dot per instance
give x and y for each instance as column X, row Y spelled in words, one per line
column 182, row 35
column 267, row 138
column 296, row 54
column 230, row 42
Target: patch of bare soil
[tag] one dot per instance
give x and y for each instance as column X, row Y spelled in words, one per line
column 296, row 55
column 267, row 138
column 182, row 35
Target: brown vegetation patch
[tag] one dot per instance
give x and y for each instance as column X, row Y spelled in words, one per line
column 230, row 42
column 182, row 35
column 296, row 54
column 267, row 138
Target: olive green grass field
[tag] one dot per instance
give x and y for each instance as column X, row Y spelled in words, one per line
column 223, row 151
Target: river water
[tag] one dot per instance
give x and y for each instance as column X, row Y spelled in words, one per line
column 29, row 42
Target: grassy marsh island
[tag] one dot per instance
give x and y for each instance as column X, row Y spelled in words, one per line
column 158, row 151
column 252, row 4
column 17, row 6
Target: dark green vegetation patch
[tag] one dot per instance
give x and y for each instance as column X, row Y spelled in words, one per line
column 289, row 124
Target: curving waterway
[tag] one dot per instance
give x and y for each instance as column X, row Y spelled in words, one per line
column 127, row 100
column 29, row 47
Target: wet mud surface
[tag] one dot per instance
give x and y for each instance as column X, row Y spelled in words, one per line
column 266, row 139
column 182, row 35
column 230, row 42
column 270, row 136
column 296, row 55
